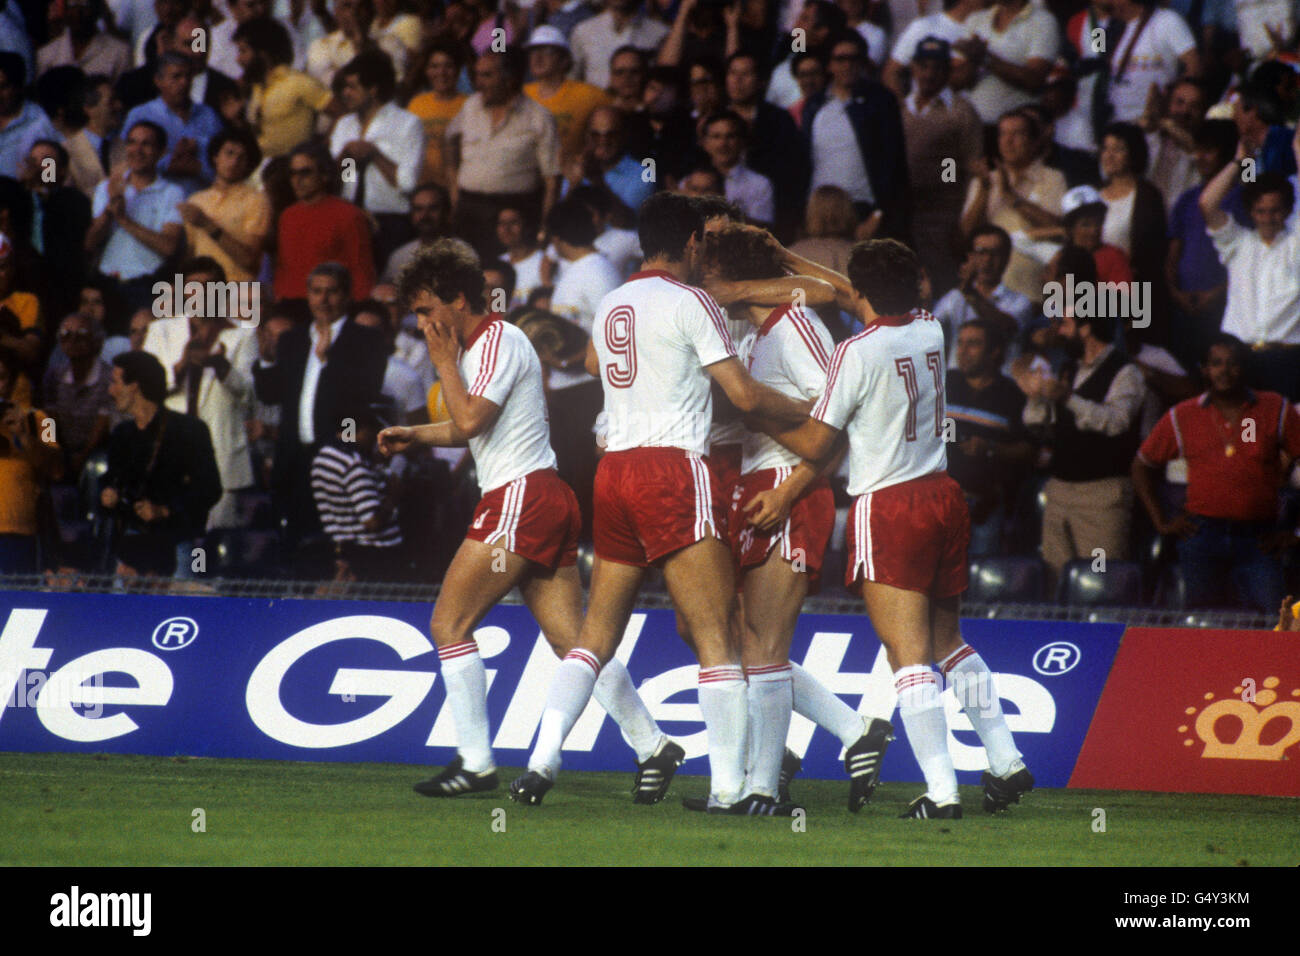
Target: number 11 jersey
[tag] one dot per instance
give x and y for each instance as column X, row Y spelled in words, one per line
column 654, row 335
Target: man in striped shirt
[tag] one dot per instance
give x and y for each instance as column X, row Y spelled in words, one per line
column 356, row 509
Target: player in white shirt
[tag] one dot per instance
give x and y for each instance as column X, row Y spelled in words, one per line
column 658, row 344
column 525, row 529
column 909, row 528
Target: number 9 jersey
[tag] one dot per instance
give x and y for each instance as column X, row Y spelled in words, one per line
column 654, row 335
column 886, row 387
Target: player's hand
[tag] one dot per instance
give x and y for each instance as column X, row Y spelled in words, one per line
column 1181, row 526
column 442, row 345
column 767, row 509
column 395, row 439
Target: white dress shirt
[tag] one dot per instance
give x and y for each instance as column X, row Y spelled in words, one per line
column 1263, row 284
column 311, row 383
column 400, row 137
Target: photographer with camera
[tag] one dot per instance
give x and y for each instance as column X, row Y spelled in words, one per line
column 29, row 460
column 162, row 476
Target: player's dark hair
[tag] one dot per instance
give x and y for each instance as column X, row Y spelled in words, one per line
column 242, row 136
column 508, row 275
column 143, row 369
column 740, row 254
column 267, row 36
column 718, row 207
column 570, row 220
column 666, row 223
column 446, row 269
column 1230, row 342
column 887, row 274
column 1252, row 193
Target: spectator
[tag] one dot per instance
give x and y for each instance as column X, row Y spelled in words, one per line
column 1155, row 43
column 1262, row 127
column 29, row 459
column 137, row 225
column 136, row 86
column 620, row 246
column 574, row 398
column 855, row 137
column 354, row 19
column 564, row 16
column 1170, row 123
column 438, row 105
column 607, row 166
column 391, row 24
column 320, row 227
column 1011, row 49
column 264, row 421
column 944, row 137
column 504, row 150
column 284, row 102
column 1197, row 281
column 83, row 44
column 670, row 141
column 137, row 328
column 1235, row 441
column 430, row 213
column 1020, row 194
column 77, row 392
column 1093, row 415
column 769, row 150
column 828, row 229
column 356, row 508
column 401, row 382
column 385, row 145
column 95, row 150
column 594, row 41
column 1263, row 264
column 570, row 101
column 162, row 476
column 22, row 122
column 697, row 30
column 317, row 369
column 705, row 78
column 516, row 234
column 950, row 25
column 61, row 216
column 188, row 126
column 1080, row 119
column 208, row 84
column 1085, row 216
column 819, row 21
column 991, row 449
column 208, row 360
column 702, row 181
column 231, row 220
column 1135, row 210
column 629, row 70
column 855, row 17
column 980, row 294
column 724, row 140
column 809, row 71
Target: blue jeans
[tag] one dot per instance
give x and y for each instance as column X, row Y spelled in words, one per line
column 1222, row 550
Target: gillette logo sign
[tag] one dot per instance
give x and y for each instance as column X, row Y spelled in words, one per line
column 306, row 691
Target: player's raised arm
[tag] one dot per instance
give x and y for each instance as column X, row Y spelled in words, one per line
column 754, row 398
column 804, row 290
column 471, row 414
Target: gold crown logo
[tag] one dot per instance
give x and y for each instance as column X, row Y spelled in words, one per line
column 1254, row 718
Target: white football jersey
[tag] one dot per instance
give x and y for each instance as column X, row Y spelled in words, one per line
column 886, row 388
column 654, row 335
column 791, row 353
column 731, row 432
column 500, row 364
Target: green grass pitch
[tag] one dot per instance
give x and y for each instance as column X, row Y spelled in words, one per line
column 97, row 810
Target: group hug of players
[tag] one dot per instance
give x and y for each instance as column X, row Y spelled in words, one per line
column 760, row 519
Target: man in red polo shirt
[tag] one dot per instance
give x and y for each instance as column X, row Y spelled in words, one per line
column 1239, row 444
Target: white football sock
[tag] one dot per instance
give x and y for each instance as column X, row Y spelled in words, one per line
column 770, row 704
column 722, row 701
column 972, row 681
column 927, row 731
column 616, row 693
column 570, row 690
column 813, row 700
column 466, row 680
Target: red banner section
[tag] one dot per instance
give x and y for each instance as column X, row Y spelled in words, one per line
column 1196, row 711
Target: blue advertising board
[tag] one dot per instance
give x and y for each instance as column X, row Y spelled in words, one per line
column 358, row 681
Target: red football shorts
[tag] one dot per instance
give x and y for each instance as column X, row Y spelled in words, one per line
column 535, row 517
column 912, row 535
column 649, row 502
column 802, row 537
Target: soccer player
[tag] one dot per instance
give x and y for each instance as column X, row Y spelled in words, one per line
column 909, row 527
column 657, row 345
column 525, row 530
column 779, row 534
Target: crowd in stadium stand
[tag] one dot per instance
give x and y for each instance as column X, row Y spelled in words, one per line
column 290, row 156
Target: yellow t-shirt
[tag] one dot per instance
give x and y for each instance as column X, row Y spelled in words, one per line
column 572, row 105
column 435, row 114
column 19, row 487
column 283, row 110
column 28, row 309
column 242, row 211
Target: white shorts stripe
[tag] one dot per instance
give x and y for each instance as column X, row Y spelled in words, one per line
column 703, row 498
column 512, row 507
column 866, row 521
